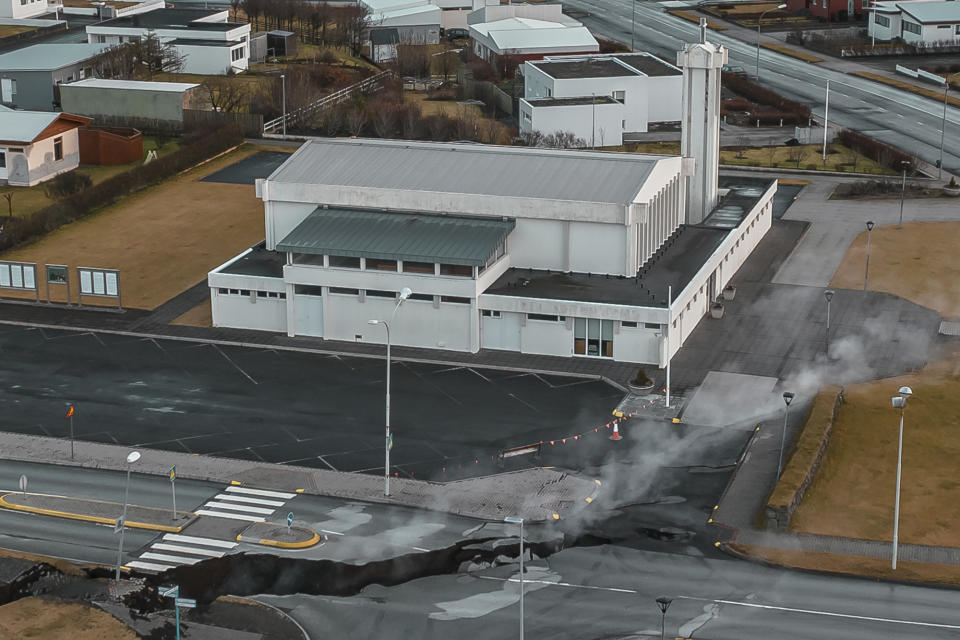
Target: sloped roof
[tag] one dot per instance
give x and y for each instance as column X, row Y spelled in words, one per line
column 47, row 57
column 931, row 12
column 133, row 85
column 26, row 127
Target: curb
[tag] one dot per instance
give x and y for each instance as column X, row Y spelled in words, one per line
column 283, row 614
column 267, row 542
column 83, row 517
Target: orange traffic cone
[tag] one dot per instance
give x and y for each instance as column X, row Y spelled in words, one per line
column 616, row 432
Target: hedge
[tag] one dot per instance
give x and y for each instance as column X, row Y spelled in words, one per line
column 882, row 153
column 761, row 95
column 194, row 150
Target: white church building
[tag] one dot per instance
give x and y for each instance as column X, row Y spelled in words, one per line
column 566, row 253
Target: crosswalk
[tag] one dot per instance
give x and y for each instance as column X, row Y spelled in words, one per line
column 233, row 503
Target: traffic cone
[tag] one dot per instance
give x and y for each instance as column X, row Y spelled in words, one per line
column 616, row 432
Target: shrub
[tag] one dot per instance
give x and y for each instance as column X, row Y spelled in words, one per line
column 66, row 184
column 761, row 95
column 877, row 151
column 641, row 379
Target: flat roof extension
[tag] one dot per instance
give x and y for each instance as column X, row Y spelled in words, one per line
column 585, row 68
column 649, row 64
column 566, row 102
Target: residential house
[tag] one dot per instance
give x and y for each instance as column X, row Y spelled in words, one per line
column 527, row 32
column 30, row 78
column 37, row 145
column 598, row 98
column 920, row 23
column 20, row 9
column 208, row 43
column 108, row 9
column 833, row 10
column 131, row 103
column 416, row 21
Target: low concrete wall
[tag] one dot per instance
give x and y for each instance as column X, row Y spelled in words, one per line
column 801, row 468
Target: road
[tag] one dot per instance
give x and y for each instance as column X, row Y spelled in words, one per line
column 905, row 120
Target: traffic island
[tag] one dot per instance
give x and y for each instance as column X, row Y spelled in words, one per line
column 272, row 534
column 98, row 511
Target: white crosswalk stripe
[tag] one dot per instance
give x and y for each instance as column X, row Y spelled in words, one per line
column 163, row 557
column 207, row 542
column 262, row 492
column 249, row 500
column 213, row 504
column 230, row 516
column 209, row 553
column 149, row 566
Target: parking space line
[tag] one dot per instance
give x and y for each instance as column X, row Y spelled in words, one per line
column 249, row 377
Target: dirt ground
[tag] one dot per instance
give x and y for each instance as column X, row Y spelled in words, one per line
column 163, row 240
column 853, row 492
column 921, row 572
column 200, row 316
column 47, row 619
column 917, row 262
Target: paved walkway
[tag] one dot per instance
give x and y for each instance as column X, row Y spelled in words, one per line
column 536, row 494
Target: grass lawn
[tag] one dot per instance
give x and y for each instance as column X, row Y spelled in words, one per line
column 854, row 565
column 436, row 107
column 801, row 55
column 853, row 492
column 804, row 157
column 933, row 94
column 59, row 620
column 7, row 30
column 917, row 262
column 26, row 200
column 163, row 239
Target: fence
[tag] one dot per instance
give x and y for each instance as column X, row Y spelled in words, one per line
column 250, row 123
column 373, row 83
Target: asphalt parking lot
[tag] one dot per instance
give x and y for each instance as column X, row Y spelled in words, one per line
column 259, row 165
column 286, row 407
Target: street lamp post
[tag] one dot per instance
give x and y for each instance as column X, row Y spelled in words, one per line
column 828, row 296
column 899, row 402
column 826, row 122
column 404, row 294
column 633, row 23
column 866, row 273
column 903, row 188
column 787, row 399
column 943, row 129
column 663, row 603
column 519, row 521
column 759, row 22
column 283, row 93
column 132, row 457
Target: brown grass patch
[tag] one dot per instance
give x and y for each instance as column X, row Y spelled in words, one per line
column 793, row 53
column 436, row 107
column 807, row 156
column 8, row 30
column 52, row 619
column 163, row 240
column 200, row 316
column 690, row 16
column 933, row 94
column 917, row 262
column 848, row 565
column 852, row 494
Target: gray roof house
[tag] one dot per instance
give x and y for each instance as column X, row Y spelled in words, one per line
column 30, row 77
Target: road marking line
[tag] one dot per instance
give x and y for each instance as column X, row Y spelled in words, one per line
column 149, row 566
column 333, row 533
column 420, row 549
column 832, row 614
column 235, row 364
column 269, row 503
column 210, row 542
column 560, row 584
column 262, row 492
column 230, row 516
column 168, row 558
column 180, row 548
column 213, row 504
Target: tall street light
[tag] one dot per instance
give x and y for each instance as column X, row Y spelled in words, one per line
column 899, row 402
column 519, row 521
column 283, row 93
column 943, row 129
column 132, row 457
column 759, row 22
column 828, row 296
column 663, row 603
column 903, row 188
column 866, row 273
column 787, row 399
column 404, row 294
column 633, row 24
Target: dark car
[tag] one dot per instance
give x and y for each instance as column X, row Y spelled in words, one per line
column 456, row 34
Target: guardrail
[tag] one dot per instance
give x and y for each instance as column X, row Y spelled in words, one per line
column 298, row 115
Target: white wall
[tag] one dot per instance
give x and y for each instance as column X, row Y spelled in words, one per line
column 40, row 160
column 206, row 60
column 597, row 248
column 600, row 125
column 636, row 344
column 546, row 338
column 634, row 88
column 665, row 99
column 539, row 244
column 501, row 332
column 884, row 33
column 14, row 8
column 282, row 218
column 244, row 312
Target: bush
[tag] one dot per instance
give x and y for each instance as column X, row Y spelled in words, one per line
column 85, row 202
column 761, row 95
column 879, row 152
column 66, row 184
column 641, row 379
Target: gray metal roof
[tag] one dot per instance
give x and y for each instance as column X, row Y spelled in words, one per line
column 928, row 12
column 436, row 167
column 398, row 236
column 48, row 57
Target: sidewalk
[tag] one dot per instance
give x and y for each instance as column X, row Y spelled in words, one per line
column 99, row 511
column 538, row 495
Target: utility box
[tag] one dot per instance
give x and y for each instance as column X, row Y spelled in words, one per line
column 281, row 43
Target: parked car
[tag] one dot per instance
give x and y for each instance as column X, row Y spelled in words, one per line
column 735, row 70
column 456, row 34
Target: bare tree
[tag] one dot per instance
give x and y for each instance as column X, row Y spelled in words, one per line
column 156, row 57
column 235, row 5
column 356, row 120
column 795, row 155
column 448, row 62
column 331, row 121
column 8, row 196
column 356, row 23
column 410, row 121
column 741, row 147
column 413, row 60
column 385, row 119
column 226, row 95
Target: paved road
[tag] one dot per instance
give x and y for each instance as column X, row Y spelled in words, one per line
column 608, row 592
column 285, row 407
column 902, row 119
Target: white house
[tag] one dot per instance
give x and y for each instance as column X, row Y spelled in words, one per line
column 527, row 32
column 111, row 8
column 559, row 94
column 209, row 44
column 37, row 145
column 539, row 251
column 416, row 21
column 917, row 22
column 24, row 8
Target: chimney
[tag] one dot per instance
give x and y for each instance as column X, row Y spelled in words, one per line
column 700, row 124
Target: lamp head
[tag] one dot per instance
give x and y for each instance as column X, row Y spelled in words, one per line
column 781, row 6
column 788, row 397
column 373, row 322
column 405, row 293
column 663, row 603
column 133, row 456
column 898, row 402
column 905, row 392
column 828, row 295
column 870, row 225
column 513, row 520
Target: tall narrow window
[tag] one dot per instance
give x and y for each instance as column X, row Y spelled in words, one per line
column 58, row 148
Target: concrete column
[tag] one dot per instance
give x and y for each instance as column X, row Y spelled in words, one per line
column 292, row 310
column 474, row 326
